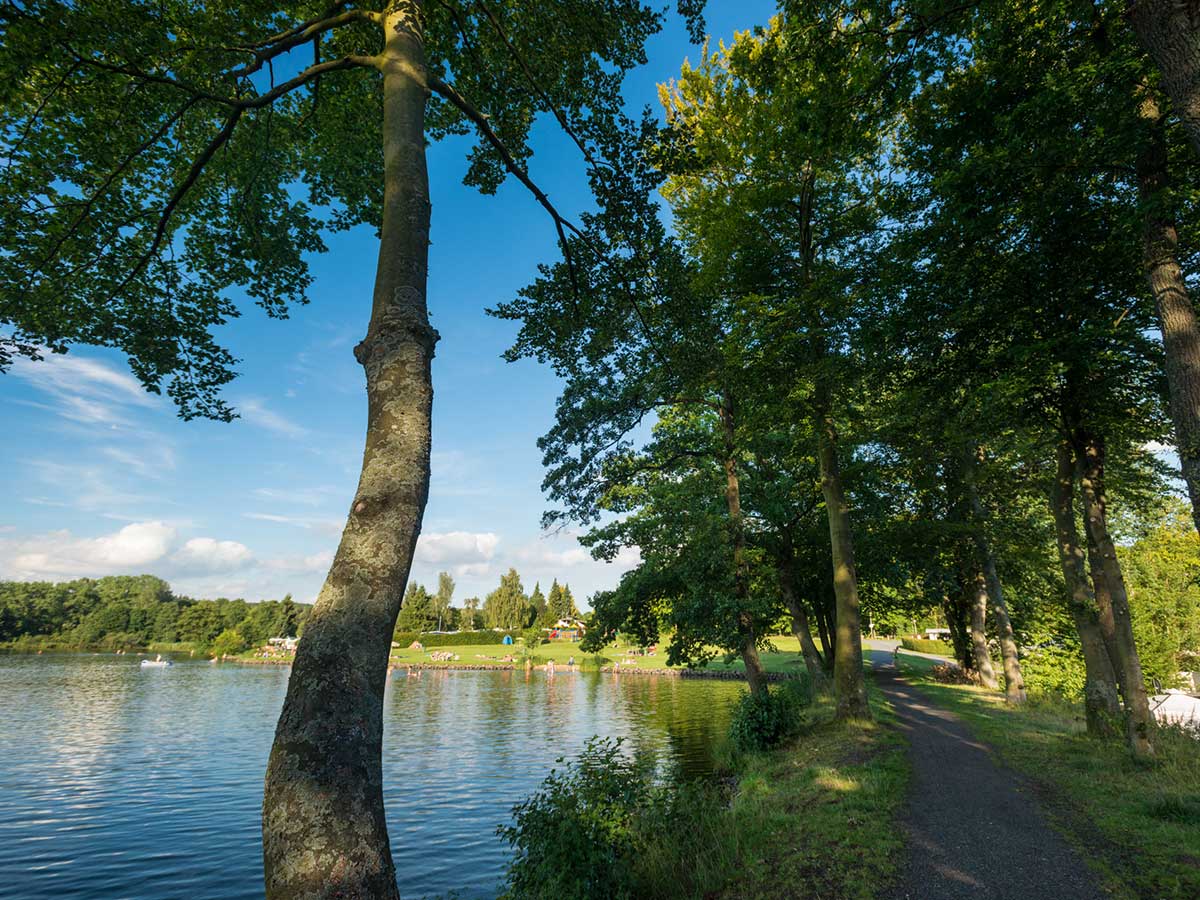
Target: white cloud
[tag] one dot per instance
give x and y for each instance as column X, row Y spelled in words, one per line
column 255, row 412
column 131, row 549
column 456, row 548
column 210, row 555
column 84, row 390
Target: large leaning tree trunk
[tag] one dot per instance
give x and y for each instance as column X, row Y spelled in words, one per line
column 1014, row 683
column 1176, row 315
column 979, row 645
column 324, row 832
column 756, row 676
column 850, row 689
column 1101, row 702
column 1139, row 720
column 1169, row 30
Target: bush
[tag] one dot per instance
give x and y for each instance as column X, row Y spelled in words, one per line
column 920, row 645
column 534, row 637
column 1055, row 670
column 763, row 721
column 603, row 829
column 574, row 837
column 453, row 639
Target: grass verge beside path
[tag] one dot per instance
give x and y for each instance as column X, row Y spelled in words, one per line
column 817, row 818
column 1139, row 824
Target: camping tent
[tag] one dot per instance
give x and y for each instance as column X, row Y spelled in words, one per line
column 507, row 640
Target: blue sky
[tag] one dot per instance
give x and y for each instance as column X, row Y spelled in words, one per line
column 100, row 478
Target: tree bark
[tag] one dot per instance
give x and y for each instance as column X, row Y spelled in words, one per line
column 755, row 675
column 1014, row 683
column 813, row 662
column 826, row 625
column 1100, row 699
column 324, row 830
column 850, row 690
column 1176, row 315
column 1169, row 30
column 1139, row 720
column 979, row 646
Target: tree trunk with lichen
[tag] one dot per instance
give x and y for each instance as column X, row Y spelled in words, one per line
column 324, row 831
column 850, row 689
column 1176, row 315
column 1090, row 452
column 1101, row 702
column 1170, row 31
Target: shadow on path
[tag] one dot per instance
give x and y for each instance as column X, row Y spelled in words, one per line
column 974, row 828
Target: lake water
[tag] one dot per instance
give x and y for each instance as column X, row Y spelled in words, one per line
column 117, row 782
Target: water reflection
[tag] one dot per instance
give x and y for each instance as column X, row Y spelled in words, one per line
column 120, row 783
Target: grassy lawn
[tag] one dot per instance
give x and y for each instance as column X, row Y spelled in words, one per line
column 784, row 658
column 1138, row 824
column 817, row 818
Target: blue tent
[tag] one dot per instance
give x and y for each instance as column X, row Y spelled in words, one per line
column 507, row 639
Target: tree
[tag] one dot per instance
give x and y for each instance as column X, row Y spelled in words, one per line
column 1170, row 31
column 471, row 613
column 441, row 600
column 506, row 606
column 157, row 164
column 228, row 643
column 538, row 614
column 418, row 612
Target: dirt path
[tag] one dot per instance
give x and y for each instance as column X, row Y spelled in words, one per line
column 975, row 829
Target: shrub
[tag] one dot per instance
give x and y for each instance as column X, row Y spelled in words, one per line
column 574, row 837
column 763, row 721
column 603, row 829
column 454, row 639
column 920, row 645
column 1055, row 670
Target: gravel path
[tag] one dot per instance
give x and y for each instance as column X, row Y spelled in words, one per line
column 975, row 829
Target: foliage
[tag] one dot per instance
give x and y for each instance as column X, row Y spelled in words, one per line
column 762, row 721
column 1055, row 670
column 416, row 611
column 576, row 836
column 134, row 611
column 228, row 643
column 920, row 645
column 507, row 606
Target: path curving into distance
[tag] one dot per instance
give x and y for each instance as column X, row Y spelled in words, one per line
column 975, row 829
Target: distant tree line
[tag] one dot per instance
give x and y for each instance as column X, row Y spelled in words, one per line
column 127, row 611
column 508, row 606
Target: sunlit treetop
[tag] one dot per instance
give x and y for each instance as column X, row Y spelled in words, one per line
column 161, row 161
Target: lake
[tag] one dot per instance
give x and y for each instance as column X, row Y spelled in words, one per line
column 117, row 782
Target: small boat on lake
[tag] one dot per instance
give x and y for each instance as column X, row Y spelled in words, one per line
column 156, row 663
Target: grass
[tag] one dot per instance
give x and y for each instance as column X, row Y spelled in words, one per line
column 1137, row 824
column 783, row 659
column 817, row 818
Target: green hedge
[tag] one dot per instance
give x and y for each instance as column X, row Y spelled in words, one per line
column 920, row 645
column 455, row 639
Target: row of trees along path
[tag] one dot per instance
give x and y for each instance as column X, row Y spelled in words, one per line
column 896, row 325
